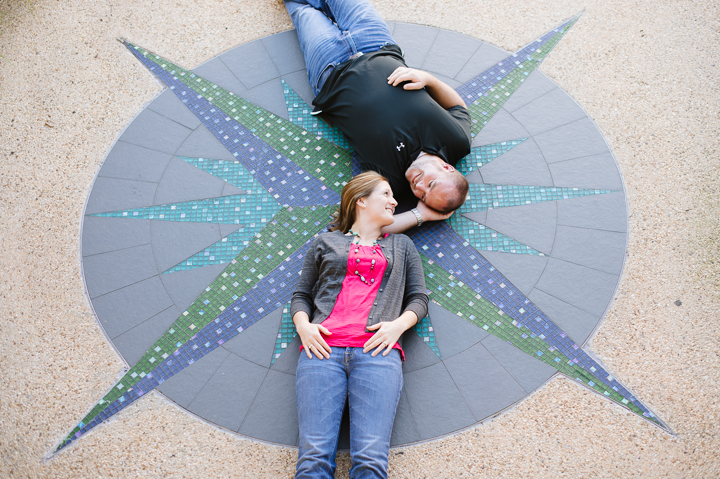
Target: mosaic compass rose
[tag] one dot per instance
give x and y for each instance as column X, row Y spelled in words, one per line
column 197, row 223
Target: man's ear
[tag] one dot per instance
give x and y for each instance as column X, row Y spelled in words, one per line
column 448, row 166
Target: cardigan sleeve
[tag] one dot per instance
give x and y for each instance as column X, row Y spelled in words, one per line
column 303, row 298
column 415, row 298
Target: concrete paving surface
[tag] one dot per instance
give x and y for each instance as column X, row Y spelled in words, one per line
column 645, row 72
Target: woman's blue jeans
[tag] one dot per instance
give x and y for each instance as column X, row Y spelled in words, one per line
column 331, row 31
column 372, row 386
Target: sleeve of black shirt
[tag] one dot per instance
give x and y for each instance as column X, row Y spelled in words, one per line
column 462, row 115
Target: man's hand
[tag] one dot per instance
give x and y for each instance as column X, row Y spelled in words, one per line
column 418, row 79
column 407, row 220
column 441, row 92
column 429, row 214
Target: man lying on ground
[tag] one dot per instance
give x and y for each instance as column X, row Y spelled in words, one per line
column 402, row 122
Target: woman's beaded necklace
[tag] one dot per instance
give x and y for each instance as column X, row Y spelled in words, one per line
column 357, row 258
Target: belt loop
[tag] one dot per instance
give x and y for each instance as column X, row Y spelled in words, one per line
column 349, row 43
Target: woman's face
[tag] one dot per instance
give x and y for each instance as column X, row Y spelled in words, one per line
column 379, row 205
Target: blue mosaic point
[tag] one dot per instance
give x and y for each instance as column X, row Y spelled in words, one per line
column 256, row 282
column 468, row 277
column 485, row 94
column 262, row 141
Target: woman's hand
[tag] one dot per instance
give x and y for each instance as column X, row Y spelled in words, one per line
column 388, row 332
column 311, row 336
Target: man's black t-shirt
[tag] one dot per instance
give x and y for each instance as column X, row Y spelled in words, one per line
column 388, row 126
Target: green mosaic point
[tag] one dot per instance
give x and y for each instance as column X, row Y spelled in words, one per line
column 483, row 238
column 286, row 334
column 485, row 107
column 425, row 330
column 324, row 160
column 460, row 299
column 287, row 232
column 482, row 155
column 300, row 114
column 483, row 197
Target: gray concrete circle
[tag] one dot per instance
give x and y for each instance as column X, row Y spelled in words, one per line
column 479, row 376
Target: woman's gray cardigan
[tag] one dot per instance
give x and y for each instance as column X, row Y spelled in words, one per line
column 402, row 288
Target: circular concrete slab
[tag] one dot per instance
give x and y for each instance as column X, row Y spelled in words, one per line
column 160, row 227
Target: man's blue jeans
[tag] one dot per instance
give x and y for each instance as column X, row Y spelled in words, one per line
column 357, row 28
column 372, row 386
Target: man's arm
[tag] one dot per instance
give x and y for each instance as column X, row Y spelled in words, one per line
column 407, row 220
column 439, row 91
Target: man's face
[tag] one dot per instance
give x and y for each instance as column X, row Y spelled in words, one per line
column 430, row 180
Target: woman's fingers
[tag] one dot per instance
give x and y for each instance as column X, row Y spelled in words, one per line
column 373, row 341
column 314, row 342
column 380, row 343
column 321, row 347
column 324, row 347
column 319, row 351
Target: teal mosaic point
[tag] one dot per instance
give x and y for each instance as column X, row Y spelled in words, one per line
column 231, row 210
column 221, row 252
column 424, row 329
column 487, row 239
column 300, row 114
column 483, row 197
column 482, row 155
column 231, row 171
column 286, row 334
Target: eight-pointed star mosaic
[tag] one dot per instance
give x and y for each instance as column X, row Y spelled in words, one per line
column 197, row 224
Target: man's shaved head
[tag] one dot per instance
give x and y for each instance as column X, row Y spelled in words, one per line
column 437, row 183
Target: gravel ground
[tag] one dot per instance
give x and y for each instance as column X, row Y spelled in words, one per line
column 646, row 71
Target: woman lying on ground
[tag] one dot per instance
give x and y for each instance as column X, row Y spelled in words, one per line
column 359, row 291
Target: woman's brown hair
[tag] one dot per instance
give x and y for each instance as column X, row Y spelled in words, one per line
column 361, row 186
